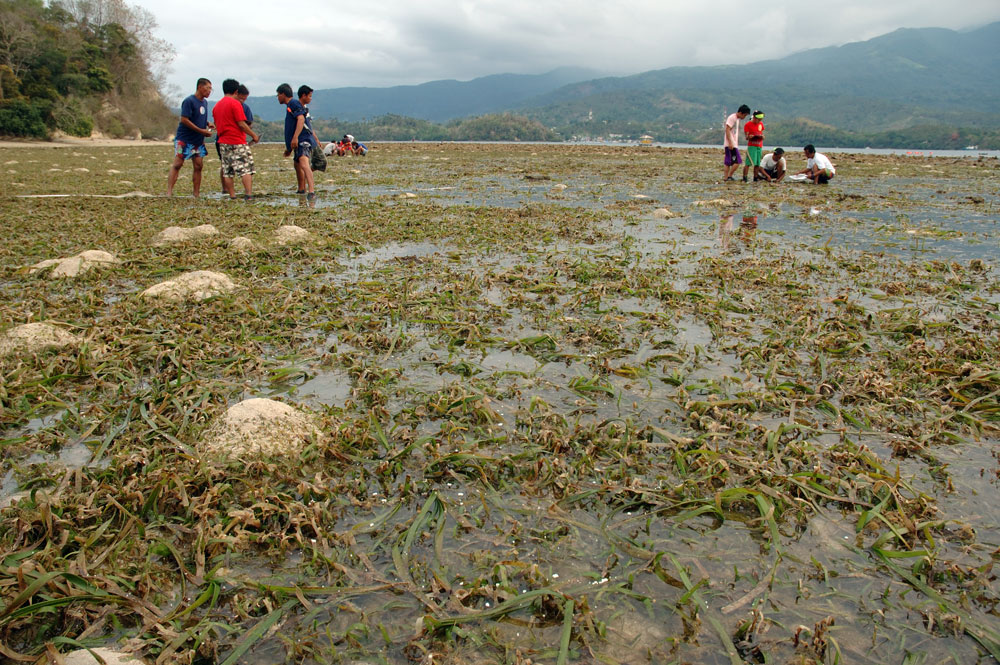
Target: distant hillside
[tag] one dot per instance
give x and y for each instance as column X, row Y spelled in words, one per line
column 906, row 78
column 912, row 84
column 78, row 68
column 437, row 101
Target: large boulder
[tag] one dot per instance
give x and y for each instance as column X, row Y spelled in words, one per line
column 35, row 338
column 259, row 427
column 191, row 287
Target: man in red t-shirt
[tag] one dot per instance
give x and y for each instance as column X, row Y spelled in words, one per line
column 232, row 128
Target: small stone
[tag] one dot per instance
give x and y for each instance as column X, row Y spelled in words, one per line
column 290, row 234
column 34, row 338
column 177, row 234
column 894, row 288
column 259, row 427
column 559, row 187
column 191, row 287
column 664, row 213
column 241, row 244
column 74, row 266
column 715, row 203
column 85, row 657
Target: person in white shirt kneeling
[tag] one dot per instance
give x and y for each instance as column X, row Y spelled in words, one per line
column 818, row 168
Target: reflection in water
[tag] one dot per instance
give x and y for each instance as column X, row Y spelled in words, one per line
column 725, row 231
column 307, row 201
column 748, row 227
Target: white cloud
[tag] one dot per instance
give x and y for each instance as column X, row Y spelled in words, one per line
column 399, row 42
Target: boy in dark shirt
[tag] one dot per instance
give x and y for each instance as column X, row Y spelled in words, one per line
column 299, row 140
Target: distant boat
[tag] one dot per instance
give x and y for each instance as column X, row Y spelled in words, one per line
column 971, row 147
column 645, row 139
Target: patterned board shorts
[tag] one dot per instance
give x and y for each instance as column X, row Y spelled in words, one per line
column 237, row 160
column 188, row 151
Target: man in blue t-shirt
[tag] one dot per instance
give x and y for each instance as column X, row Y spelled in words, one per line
column 189, row 140
column 299, row 139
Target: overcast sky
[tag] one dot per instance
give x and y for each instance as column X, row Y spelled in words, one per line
column 398, row 42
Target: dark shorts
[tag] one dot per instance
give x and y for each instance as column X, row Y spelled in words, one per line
column 218, row 151
column 305, row 148
column 733, row 156
column 188, row 151
column 824, row 177
column 773, row 173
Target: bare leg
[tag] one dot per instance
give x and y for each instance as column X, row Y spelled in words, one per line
column 175, row 170
column 307, row 174
column 247, row 184
column 197, row 163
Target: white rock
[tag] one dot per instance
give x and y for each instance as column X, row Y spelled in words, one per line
column 191, row 287
column 260, row 427
column 241, row 244
column 288, row 234
column 10, row 500
column 664, row 213
column 85, row 657
column 720, row 203
column 176, row 234
column 74, row 266
column 559, row 187
column 407, row 195
column 35, row 338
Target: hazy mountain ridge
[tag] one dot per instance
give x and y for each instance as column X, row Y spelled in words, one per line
column 437, row 101
column 887, row 82
column 928, row 84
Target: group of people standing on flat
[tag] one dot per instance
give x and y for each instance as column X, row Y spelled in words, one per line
column 771, row 167
column 232, row 123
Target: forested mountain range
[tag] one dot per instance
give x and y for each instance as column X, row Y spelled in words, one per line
column 436, row 101
column 907, row 78
column 927, row 86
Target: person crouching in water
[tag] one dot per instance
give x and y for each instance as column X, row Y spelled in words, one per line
column 818, row 168
column 773, row 166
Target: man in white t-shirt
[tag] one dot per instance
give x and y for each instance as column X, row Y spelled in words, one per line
column 774, row 166
column 818, row 168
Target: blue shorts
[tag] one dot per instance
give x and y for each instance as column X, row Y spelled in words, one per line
column 732, row 156
column 188, row 151
column 305, row 148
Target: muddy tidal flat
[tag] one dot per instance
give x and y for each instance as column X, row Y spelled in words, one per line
column 499, row 404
